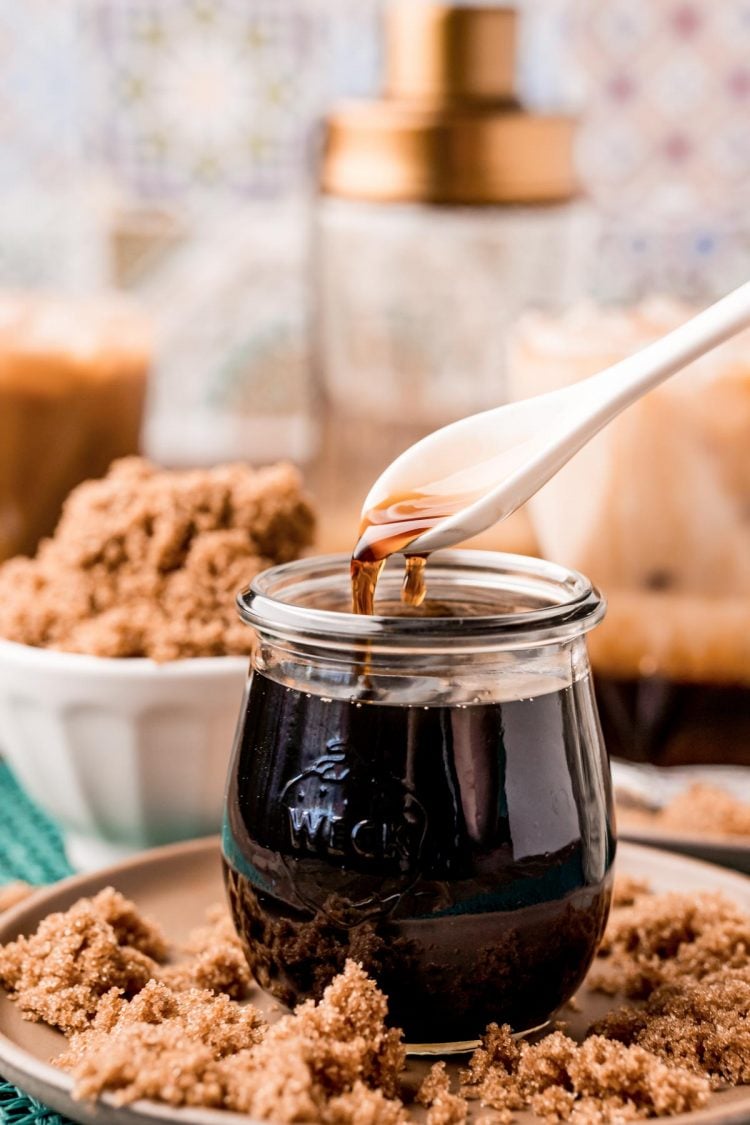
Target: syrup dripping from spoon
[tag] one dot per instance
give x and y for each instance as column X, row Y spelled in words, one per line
column 388, row 528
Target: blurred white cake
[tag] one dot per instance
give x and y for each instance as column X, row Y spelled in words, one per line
column 656, row 510
column 660, row 499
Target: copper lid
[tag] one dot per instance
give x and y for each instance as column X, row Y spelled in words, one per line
column 449, row 130
column 439, row 52
column 390, row 151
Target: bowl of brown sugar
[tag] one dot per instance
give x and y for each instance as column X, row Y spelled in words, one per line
column 122, row 662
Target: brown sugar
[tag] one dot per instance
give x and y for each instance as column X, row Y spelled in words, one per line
column 331, row 1062
column 491, row 1074
column 147, row 562
column 662, row 939
column 214, row 959
column 161, row 1044
column 364, row 1106
column 443, row 1107
column 129, row 925
column 701, row 809
column 67, row 969
column 593, row 1082
column 703, row 1026
column 498, row 1050
column 688, row 958
column 319, row 1053
column 627, row 889
column 60, row 974
column 139, row 1026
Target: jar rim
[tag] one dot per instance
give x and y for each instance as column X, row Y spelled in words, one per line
column 568, row 605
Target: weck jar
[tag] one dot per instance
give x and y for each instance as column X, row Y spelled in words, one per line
column 423, row 791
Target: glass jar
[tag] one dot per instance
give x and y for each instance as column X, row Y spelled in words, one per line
column 425, row 792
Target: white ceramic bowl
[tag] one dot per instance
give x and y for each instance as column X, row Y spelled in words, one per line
column 124, row 754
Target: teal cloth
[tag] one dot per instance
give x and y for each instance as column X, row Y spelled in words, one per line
column 30, row 849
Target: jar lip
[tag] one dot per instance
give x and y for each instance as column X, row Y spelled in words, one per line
column 569, row 605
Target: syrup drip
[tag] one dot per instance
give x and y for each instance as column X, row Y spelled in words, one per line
column 365, row 574
column 414, row 590
column 388, row 528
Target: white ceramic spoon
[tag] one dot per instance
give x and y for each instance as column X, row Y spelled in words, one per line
column 485, row 466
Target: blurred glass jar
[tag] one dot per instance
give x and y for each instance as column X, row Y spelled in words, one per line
column 446, row 210
column 232, row 379
column 656, row 510
column 72, row 388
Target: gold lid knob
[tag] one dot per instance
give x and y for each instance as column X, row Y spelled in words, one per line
column 396, row 151
column 438, row 52
column 449, row 129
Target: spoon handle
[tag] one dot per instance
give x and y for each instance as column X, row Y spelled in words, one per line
column 605, row 395
column 565, row 421
column 623, row 383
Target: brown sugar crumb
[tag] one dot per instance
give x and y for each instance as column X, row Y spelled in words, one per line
column 13, row 893
column 491, row 1074
column 703, row 1026
column 363, row 1106
column 215, row 960
column 704, row 809
column 443, row 1107
column 688, row 958
column 130, row 927
column 632, row 1076
column 161, row 1044
column 147, row 562
column 333, row 1062
column 627, row 889
column 62, row 971
column 497, row 1049
column 665, row 938
column 319, row 1053
column 596, row 1082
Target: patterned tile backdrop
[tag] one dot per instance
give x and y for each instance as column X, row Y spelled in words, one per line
column 48, row 232
column 665, row 140
column 157, row 118
column 112, row 104
column 186, row 102
column 215, row 94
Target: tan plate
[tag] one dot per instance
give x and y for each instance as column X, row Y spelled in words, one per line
column 729, row 851
column 175, row 884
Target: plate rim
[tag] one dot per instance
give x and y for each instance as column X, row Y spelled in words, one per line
column 53, row 1086
column 42, row 1079
column 641, row 833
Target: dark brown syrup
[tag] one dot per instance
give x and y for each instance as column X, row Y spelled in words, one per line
column 415, row 590
column 461, row 853
column 388, row 528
